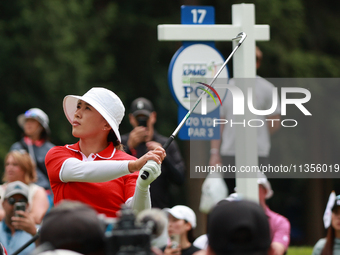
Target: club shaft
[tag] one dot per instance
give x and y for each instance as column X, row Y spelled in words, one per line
column 240, row 36
column 201, row 96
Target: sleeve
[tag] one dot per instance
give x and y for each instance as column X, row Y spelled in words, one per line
column 317, row 250
column 54, row 160
column 63, row 167
column 16, row 146
column 75, row 170
column 138, row 199
column 282, row 233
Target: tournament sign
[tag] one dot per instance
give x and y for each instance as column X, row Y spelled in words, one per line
column 192, row 68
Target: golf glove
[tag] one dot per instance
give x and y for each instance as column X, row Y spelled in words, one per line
column 154, row 171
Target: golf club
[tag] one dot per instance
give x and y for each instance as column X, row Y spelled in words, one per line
column 241, row 37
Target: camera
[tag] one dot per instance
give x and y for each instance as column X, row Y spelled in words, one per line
column 142, row 121
column 175, row 241
column 127, row 237
column 19, row 206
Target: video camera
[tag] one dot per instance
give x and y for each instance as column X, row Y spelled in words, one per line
column 127, row 237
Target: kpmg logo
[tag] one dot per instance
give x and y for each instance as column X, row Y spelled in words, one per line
column 194, row 69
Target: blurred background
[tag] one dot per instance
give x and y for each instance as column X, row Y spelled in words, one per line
column 49, row 49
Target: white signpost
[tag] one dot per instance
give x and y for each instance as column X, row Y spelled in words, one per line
column 244, row 64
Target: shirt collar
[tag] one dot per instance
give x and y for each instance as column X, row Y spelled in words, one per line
column 37, row 143
column 5, row 227
column 107, row 153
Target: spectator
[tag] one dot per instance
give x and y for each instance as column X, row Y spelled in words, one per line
column 144, row 138
column 35, row 122
column 238, row 227
column 95, row 170
column 223, row 150
column 19, row 166
column 15, row 231
column 73, row 226
column 182, row 221
column 331, row 243
column 279, row 225
column 201, row 242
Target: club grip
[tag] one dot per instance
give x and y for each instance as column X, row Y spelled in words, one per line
column 145, row 174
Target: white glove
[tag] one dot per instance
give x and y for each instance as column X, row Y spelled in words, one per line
column 154, row 171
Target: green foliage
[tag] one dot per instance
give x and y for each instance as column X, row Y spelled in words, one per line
column 300, row 250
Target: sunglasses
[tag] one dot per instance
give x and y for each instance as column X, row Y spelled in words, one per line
column 12, row 200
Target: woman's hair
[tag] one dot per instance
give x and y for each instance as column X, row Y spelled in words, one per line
column 328, row 248
column 25, row 162
column 190, row 234
column 43, row 135
column 113, row 138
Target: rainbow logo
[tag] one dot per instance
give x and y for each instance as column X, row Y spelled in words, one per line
column 209, row 93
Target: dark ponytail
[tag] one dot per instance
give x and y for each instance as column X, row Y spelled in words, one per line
column 113, row 138
column 328, row 248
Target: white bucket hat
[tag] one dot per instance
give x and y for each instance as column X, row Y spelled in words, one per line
column 38, row 115
column 183, row 212
column 107, row 103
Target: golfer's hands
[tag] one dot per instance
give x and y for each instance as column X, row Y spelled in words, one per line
column 25, row 223
column 156, row 155
column 154, row 171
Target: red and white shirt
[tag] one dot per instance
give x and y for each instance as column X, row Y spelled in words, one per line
column 104, row 197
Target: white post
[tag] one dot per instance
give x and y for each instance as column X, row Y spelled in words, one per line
column 243, row 15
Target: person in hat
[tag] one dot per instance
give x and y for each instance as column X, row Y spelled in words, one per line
column 223, row 151
column 182, row 221
column 331, row 243
column 95, row 170
column 279, row 225
column 144, row 138
column 35, row 124
column 19, row 166
column 238, row 227
column 18, row 227
column 74, row 226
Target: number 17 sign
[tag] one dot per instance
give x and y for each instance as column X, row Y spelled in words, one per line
column 197, row 15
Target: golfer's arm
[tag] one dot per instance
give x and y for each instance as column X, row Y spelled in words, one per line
column 140, row 201
column 74, row 170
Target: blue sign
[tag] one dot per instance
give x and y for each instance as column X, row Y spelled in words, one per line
column 198, row 126
column 196, row 60
column 197, row 15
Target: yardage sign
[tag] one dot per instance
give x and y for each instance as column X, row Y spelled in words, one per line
column 196, row 61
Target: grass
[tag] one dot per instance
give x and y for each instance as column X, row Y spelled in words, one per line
column 300, row 250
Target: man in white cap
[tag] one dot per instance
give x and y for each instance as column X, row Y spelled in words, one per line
column 279, row 225
column 17, row 228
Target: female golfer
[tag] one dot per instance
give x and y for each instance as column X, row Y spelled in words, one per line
column 331, row 244
column 95, row 170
